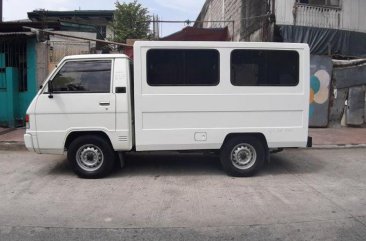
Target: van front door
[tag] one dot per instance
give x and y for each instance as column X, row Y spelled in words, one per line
column 81, row 100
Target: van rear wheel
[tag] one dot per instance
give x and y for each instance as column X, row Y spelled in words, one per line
column 242, row 156
column 91, row 156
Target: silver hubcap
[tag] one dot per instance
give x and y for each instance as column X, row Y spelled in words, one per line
column 243, row 156
column 89, row 157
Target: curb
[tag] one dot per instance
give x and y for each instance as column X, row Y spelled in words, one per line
column 338, row 146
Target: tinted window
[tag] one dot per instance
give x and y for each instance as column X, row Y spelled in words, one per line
column 83, row 76
column 264, row 68
column 168, row 67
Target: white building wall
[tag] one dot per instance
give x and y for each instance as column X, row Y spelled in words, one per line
column 354, row 15
column 351, row 15
column 283, row 12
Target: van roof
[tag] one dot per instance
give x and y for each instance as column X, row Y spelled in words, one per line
column 221, row 44
column 95, row 56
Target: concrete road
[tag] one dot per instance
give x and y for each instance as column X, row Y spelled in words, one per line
column 301, row 195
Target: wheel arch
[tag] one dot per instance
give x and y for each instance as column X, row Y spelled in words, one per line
column 75, row 134
column 258, row 135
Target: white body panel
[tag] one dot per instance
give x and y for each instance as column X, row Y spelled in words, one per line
column 171, row 117
column 57, row 117
column 53, row 119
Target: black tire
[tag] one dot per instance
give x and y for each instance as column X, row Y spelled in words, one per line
column 243, row 156
column 87, row 147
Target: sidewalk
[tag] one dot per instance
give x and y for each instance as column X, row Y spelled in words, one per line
column 338, row 137
column 12, row 139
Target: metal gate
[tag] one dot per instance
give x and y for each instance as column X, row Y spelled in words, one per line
column 59, row 49
column 17, row 78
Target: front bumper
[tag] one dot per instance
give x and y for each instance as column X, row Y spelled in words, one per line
column 28, row 141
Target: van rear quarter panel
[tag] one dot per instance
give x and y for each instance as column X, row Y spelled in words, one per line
column 170, row 117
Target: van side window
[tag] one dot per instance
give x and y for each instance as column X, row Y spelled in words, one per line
column 83, row 76
column 264, row 68
column 183, row 67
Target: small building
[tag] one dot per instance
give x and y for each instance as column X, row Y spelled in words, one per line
column 23, row 66
column 26, row 58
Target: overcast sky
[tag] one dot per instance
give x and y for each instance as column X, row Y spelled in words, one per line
column 166, row 9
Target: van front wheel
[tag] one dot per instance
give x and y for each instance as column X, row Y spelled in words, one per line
column 242, row 156
column 91, row 156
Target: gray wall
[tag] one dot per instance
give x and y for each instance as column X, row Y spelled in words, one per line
column 320, row 82
column 42, row 62
column 218, row 10
column 348, row 97
column 250, row 24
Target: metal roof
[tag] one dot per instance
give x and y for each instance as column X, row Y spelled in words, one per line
column 27, row 34
column 199, row 34
column 84, row 14
column 17, row 26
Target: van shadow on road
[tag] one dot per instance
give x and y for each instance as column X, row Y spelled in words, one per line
column 61, row 168
column 171, row 164
column 293, row 162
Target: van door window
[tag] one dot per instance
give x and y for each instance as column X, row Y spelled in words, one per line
column 183, row 67
column 264, row 67
column 83, row 76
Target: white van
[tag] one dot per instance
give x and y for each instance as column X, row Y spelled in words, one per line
column 239, row 98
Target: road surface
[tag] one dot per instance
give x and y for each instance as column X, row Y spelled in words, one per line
column 301, row 195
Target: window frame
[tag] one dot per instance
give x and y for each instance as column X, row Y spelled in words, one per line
column 325, row 5
column 46, row 90
column 266, row 86
column 216, row 83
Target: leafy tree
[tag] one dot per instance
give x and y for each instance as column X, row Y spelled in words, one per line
column 131, row 21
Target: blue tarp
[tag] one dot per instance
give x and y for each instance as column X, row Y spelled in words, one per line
column 321, row 40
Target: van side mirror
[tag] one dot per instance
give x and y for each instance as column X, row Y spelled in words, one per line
column 50, row 90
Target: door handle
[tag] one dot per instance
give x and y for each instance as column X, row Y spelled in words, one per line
column 104, row 103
